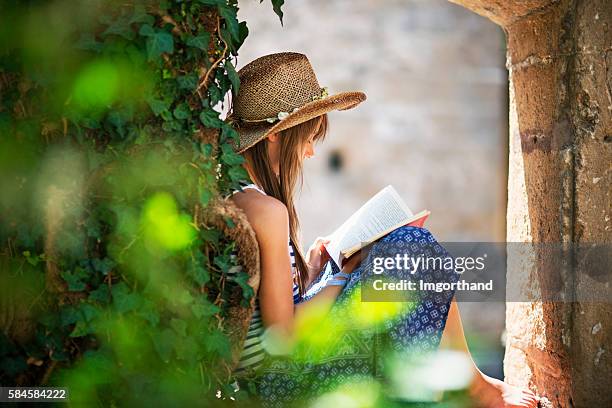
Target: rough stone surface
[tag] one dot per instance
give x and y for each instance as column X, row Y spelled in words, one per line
column 558, row 190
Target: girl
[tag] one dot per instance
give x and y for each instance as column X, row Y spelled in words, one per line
column 280, row 113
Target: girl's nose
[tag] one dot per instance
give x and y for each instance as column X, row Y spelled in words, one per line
column 309, row 152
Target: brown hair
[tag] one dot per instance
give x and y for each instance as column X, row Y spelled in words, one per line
column 292, row 142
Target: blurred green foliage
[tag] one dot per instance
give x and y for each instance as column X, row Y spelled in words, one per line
column 110, row 137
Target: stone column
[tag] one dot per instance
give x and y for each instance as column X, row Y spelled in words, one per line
column 559, row 59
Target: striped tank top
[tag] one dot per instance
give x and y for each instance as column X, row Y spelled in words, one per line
column 253, row 353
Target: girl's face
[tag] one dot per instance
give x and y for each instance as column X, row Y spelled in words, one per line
column 309, row 150
column 274, row 146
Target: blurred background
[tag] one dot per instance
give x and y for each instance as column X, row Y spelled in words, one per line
column 434, row 125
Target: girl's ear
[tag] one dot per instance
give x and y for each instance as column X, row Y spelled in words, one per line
column 273, row 137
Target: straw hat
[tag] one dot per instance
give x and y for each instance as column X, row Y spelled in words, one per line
column 278, row 91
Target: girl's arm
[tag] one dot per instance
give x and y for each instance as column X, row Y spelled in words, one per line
column 488, row 391
column 271, row 226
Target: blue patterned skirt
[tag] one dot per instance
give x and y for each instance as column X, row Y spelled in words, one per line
column 349, row 343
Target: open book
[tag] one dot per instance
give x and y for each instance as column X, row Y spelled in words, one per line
column 380, row 215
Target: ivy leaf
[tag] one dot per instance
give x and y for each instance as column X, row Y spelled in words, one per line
column 212, row 2
column 123, row 300
column 233, row 76
column 182, row 111
column 74, row 279
column 121, row 27
column 217, row 342
column 104, row 266
column 159, row 43
column 80, row 329
column 199, row 274
column 223, row 262
column 205, row 196
column 210, row 118
column 146, row 31
column 199, row 41
column 237, row 173
column 69, row 315
column 204, row 309
column 229, row 133
column 229, row 156
column 231, row 21
column 215, row 94
column 242, row 278
column 158, row 106
column 276, row 6
column 187, row 82
column 102, row 294
column 140, row 15
column 149, row 313
column 163, row 343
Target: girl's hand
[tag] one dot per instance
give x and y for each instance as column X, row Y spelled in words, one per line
column 316, row 257
column 349, row 265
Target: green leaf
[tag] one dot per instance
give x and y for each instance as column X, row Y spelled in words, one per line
column 102, row 294
column 104, row 266
column 217, row 342
column 158, row 106
column 80, row 329
column 229, row 155
column 74, row 279
column 69, row 315
column 223, row 262
column 210, row 118
column 212, row 2
column 159, row 43
column 242, row 278
column 231, row 21
column 205, row 196
column 237, row 173
column 187, row 82
column 233, row 76
column 182, row 111
column 121, row 27
column 164, row 344
column 204, row 309
column 146, row 31
column 123, row 300
column 229, row 134
column 140, row 15
column 276, row 6
column 199, row 41
column 229, row 222
column 149, row 313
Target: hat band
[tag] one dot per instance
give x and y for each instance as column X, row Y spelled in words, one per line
column 282, row 115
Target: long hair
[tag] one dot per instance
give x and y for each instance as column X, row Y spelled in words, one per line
column 292, row 143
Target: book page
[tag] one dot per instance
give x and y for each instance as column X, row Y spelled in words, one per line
column 382, row 212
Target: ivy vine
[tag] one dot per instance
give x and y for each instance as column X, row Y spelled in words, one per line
column 110, row 140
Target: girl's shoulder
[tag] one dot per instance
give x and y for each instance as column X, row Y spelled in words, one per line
column 261, row 210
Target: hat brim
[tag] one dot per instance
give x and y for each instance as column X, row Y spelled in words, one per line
column 250, row 134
